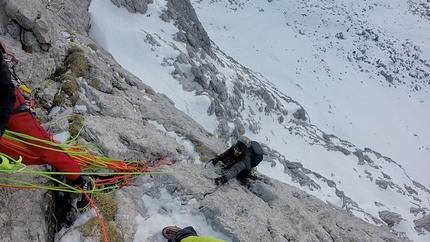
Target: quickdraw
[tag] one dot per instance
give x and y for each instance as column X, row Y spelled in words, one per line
column 21, row 85
column 6, row 51
column 7, row 163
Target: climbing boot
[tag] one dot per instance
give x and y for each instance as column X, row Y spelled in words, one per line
column 169, row 232
column 87, row 184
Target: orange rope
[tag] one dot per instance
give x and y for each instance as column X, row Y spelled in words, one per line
column 90, row 162
column 97, row 213
column 17, row 186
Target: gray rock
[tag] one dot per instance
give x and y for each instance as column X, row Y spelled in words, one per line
column 281, row 212
column 25, row 214
column 391, row 218
column 423, row 223
column 133, row 6
column 32, row 16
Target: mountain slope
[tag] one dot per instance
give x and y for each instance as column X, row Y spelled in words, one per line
column 171, row 53
column 360, row 69
column 362, row 181
column 339, row 55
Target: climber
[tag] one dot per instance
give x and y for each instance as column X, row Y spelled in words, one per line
column 7, row 95
column 187, row 234
column 16, row 116
column 237, row 160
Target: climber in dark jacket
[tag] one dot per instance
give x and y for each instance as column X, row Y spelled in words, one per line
column 7, row 95
column 237, row 159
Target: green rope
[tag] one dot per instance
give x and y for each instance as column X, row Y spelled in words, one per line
column 29, row 171
column 72, row 139
column 64, row 187
column 80, row 151
column 14, row 137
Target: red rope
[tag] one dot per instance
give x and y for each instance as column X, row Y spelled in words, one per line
column 97, row 213
column 91, row 162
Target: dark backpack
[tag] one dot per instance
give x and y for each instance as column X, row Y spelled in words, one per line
column 256, row 153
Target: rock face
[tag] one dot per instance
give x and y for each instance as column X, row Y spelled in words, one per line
column 390, row 218
column 423, row 224
column 268, row 211
column 135, row 6
column 124, row 116
column 26, row 214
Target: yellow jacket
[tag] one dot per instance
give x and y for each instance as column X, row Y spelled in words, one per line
column 201, row 239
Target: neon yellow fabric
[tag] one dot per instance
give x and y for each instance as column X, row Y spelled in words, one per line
column 201, row 239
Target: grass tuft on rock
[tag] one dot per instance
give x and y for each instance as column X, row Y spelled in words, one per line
column 201, row 150
column 150, row 91
column 107, row 207
column 94, row 83
column 76, row 122
column 77, row 62
column 93, row 46
column 59, row 99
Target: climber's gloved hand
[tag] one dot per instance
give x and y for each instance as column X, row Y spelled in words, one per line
column 214, row 160
column 220, row 180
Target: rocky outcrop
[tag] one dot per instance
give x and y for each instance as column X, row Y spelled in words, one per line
column 390, row 218
column 136, row 6
column 423, row 223
column 26, row 214
column 181, row 11
column 33, row 21
column 267, row 211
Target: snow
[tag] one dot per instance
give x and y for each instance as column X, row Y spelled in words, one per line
column 344, row 102
column 293, row 45
column 179, row 215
